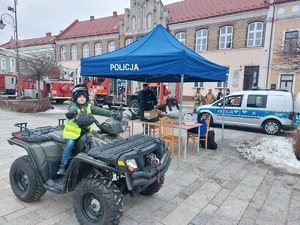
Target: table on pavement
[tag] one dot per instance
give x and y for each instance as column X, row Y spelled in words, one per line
column 176, row 126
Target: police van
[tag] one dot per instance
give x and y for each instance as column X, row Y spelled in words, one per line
column 270, row 110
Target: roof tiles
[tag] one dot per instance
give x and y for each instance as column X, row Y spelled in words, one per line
column 200, row 9
column 92, row 27
column 30, row 42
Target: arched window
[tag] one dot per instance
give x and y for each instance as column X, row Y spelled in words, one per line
column 201, row 40
column 254, row 38
column 111, row 46
column 225, row 41
column 63, row 53
column 181, row 37
column 280, row 11
column 98, row 48
column 74, row 52
column 295, row 9
column 141, row 16
column 85, row 50
column 128, row 41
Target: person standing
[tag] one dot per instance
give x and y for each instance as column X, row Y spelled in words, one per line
column 209, row 97
column 146, row 99
column 220, row 94
column 197, row 99
column 227, row 91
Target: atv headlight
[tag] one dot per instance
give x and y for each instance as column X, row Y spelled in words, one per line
column 131, row 163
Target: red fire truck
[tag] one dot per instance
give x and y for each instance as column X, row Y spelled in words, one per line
column 8, row 85
column 56, row 90
column 114, row 92
column 60, row 90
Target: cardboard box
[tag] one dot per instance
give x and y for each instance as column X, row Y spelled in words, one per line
column 152, row 114
column 190, row 118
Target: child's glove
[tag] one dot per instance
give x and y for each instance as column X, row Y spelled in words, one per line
column 71, row 114
column 84, row 121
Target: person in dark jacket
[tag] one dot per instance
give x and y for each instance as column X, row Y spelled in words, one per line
column 147, row 100
column 220, row 94
column 79, row 106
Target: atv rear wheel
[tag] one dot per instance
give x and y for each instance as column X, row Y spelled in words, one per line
column 97, row 201
column 154, row 187
column 24, row 180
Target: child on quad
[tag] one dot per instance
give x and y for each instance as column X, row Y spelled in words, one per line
column 79, row 106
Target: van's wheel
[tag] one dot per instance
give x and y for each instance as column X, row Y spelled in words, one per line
column 134, row 107
column 97, row 201
column 154, row 187
column 271, row 127
column 24, row 180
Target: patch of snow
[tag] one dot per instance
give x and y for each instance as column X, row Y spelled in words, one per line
column 277, row 152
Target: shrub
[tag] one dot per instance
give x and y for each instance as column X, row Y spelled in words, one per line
column 296, row 146
column 26, row 106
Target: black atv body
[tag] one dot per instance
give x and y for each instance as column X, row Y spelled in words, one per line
column 103, row 167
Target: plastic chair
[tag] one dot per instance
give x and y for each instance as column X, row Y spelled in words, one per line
column 195, row 137
column 166, row 131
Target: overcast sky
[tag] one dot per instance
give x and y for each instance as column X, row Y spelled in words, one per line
column 37, row 17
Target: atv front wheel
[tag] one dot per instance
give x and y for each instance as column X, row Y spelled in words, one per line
column 154, row 187
column 97, row 201
column 24, row 180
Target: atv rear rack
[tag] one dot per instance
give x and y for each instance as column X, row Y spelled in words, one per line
column 37, row 134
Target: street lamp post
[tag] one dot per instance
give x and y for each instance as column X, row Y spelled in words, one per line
column 15, row 27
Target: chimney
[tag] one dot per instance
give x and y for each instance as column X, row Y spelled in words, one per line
column 92, row 17
column 48, row 34
column 115, row 13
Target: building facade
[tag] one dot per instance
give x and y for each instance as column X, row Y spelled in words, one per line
column 240, row 35
column 284, row 67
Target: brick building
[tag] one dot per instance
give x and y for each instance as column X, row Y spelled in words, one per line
column 239, row 34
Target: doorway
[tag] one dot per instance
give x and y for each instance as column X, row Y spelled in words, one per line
column 251, row 75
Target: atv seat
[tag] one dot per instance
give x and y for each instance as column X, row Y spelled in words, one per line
column 57, row 136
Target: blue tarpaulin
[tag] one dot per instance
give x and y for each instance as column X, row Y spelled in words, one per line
column 156, row 57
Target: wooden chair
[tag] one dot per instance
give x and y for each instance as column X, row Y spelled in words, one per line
column 166, row 131
column 126, row 127
column 153, row 130
column 195, row 137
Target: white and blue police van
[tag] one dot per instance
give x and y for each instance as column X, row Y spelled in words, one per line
column 270, row 110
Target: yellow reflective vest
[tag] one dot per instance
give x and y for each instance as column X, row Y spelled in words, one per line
column 72, row 130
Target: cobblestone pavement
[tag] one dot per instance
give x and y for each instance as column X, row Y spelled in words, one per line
column 211, row 187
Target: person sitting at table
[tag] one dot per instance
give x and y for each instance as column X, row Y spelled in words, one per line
column 203, row 127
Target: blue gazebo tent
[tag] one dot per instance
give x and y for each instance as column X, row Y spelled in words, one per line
column 156, row 57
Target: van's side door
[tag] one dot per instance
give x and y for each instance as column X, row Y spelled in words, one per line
column 254, row 110
column 232, row 110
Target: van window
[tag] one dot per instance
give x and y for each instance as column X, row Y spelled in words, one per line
column 257, row 101
column 234, row 101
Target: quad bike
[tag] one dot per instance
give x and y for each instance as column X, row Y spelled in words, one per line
column 104, row 166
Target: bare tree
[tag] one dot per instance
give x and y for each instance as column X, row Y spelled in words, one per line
column 39, row 68
column 287, row 55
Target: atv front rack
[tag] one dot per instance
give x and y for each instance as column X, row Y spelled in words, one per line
column 37, row 134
